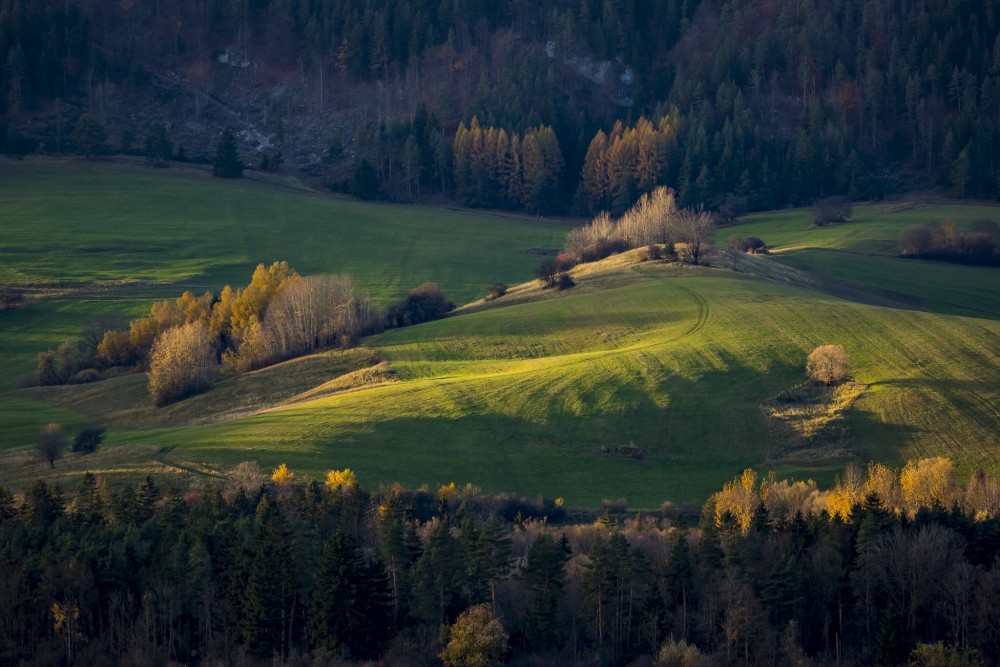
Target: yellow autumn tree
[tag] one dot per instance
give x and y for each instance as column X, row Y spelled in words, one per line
column 926, row 482
column 181, row 362
column 282, row 475
column 884, row 482
column 336, row 479
column 846, row 493
column 739, row 500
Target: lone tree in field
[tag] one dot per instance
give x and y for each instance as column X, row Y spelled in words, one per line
column 50, row 443
column 828, row 364
column 227, row 162
column 180, row 363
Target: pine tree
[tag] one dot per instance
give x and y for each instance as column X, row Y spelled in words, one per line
column 438, row 578
column 544, row 576
column 227, row 162
column 336, row 596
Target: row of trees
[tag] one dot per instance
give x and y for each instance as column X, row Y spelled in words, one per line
column 492, row 168
column 279, row 315
column 980, row 245
column 265, row 571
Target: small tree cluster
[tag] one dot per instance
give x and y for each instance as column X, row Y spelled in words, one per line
column 424, row 303
column 980, row 245
column 831, row 209
column 653, row 220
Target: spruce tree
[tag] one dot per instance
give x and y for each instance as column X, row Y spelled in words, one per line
column 544, row 576
column 227, row 162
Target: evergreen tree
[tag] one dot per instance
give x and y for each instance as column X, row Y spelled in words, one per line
column 337, row 595
column 438, row 578
column 227, row 163
column 544, row 576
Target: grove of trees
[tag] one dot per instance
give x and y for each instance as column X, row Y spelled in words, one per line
column 183, row 341
column 885, row 566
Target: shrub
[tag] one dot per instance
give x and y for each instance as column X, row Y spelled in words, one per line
column 828, row 364
column 424, row 303
column 85, row 376
column 50, row 442
column 547, row 271
column 10, row 298
column 88, row 439
column 831, row 209
column 497, row 291
column 564, row 281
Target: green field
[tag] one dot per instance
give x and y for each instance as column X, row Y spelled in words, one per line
column 105, row 237
column 534, row 393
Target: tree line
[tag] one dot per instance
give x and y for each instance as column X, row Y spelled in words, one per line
column 775, row 103
column 884, row 567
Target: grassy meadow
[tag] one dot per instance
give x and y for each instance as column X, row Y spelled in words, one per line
column 644, row 382
column 98, row 237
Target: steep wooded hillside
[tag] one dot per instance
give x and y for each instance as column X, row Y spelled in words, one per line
column 778, row 102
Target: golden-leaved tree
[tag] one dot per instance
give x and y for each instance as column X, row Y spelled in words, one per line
column 181, row 362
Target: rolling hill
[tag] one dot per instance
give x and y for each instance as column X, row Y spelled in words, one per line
column 646, row 381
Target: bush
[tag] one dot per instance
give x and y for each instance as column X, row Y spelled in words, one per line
column 10, row 298
column 564, row 281
column 88, row 440
column 547, row 271
column 497, row 291
column 423, row 304
column 751, row 245
column 85, row 376
column 831, row 209
column 828, row 364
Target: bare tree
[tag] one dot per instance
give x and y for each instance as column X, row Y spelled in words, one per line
column 50, row 443
column 828, row 364
column 312, row 313
column 692, row 229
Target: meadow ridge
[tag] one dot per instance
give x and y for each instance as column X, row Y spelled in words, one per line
column 644, row 382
